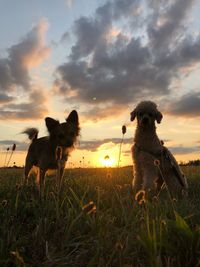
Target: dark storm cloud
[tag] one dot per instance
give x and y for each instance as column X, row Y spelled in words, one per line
column 188, row 106
column 93, row 145
column 34, row 108
column 121, row 69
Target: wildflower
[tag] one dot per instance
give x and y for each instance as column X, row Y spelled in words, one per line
column 4, row 203
column 119, row 246
column 13, row 149
column 118, row 186
column 140, row 197
column 19, row 259
column 163, row 223
column 157, row 162
column 140, row 194
column 108, row 175
column 155, row 199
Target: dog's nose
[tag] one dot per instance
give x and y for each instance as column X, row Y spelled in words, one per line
column 68, row 144
column 145, row 120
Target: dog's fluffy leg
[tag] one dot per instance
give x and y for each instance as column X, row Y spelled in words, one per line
column 28, row 167
column 149, row 184
column 137, row 182
column 41, row 181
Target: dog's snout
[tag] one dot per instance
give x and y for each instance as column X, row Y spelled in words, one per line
column 145, row 120
column 68, row 143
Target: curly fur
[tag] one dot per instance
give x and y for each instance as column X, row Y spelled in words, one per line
column 147, row 148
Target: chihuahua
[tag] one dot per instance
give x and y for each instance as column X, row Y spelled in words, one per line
column 51, row 152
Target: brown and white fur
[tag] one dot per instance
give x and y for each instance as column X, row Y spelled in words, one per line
column 43, row 152
column 148, row 151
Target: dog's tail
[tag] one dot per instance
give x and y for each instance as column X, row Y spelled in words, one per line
column 32, row 133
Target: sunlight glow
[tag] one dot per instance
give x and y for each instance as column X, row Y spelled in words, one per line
column 107, row 161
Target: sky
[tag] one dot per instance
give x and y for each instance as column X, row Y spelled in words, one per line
column 100, row 57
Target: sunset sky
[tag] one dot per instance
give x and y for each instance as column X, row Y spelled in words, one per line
column 101, row 58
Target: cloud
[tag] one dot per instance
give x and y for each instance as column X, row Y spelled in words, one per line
column 34, row 108
column 65, row 37
column 188, row 106
column 5, row 98
column 69, row 3
column 28, row 53
column 100, row 111
column 181, row 150
column 20, row 146
column 125, row 67
column 93, row 145
column 168, row 22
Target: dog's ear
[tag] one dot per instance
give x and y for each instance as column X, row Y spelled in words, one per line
column 73, row 117
column 133, row 114
column 159, row 116
column 51, row 123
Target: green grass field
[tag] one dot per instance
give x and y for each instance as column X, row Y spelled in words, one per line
column 94, row 221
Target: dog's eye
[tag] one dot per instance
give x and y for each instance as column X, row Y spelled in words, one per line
column 61, row 136
column 150, row 115
column 140, row 114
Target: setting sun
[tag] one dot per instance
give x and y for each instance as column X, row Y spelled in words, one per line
column 107, row 161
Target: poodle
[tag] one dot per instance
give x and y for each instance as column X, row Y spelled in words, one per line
column 154, row 165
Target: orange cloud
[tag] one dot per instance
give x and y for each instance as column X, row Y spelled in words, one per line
column 37, row 52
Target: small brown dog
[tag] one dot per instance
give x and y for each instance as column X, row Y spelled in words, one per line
column 51, row 152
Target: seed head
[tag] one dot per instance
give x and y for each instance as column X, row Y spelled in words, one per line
column 119, row 246
column 123, row 129
column 13, row 147
column 157, row 162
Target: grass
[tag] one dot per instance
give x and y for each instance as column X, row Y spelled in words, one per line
column 94, row 221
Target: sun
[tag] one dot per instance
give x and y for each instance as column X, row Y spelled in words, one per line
column 107, row 161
